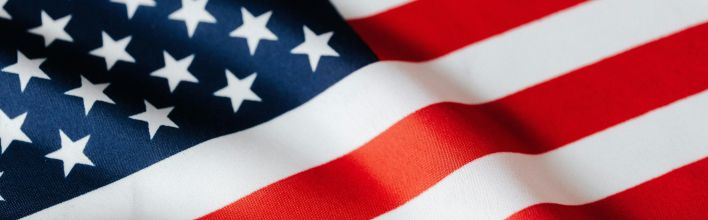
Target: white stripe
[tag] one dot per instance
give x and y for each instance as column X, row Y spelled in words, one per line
column 352, row 9
column 498, row 185
column 213, row 174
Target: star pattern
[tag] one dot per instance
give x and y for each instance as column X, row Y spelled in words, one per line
column 3, row 13
column 238, row 90
column 315, row 46
column 52, row 30
column 192, row 13
column 53, row 103
column 71, row 153
column 175, row 71
column 11, row 130
column 113, row 50
column 132, row 5
column 254, row 29
column 155, row 118
column 26, row 69
column 90, row 93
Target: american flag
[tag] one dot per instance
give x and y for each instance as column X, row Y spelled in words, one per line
column 344, row 109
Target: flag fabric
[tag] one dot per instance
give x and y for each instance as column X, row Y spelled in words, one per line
column 339, row 109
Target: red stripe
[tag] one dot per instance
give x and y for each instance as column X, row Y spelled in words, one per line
column 427, row 145
column 427, row 29
column 680, row 194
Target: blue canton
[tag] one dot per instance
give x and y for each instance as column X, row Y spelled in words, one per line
column 93, row 91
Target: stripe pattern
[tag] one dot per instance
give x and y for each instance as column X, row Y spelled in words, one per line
column 558, row 109
column 670, row 196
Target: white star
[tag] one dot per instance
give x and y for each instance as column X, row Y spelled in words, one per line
column 132, row 5
column 175, row 71
column 155, row 118
column 90, row 93
column 52, row 29
column 315, row 46
column 71, row 152
column 254, row 29
column 113, row 50
column 3, row 13
column 238, row 90
column 11, row 130
column 193, row 12
column 1, row 199
column 26, row 68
